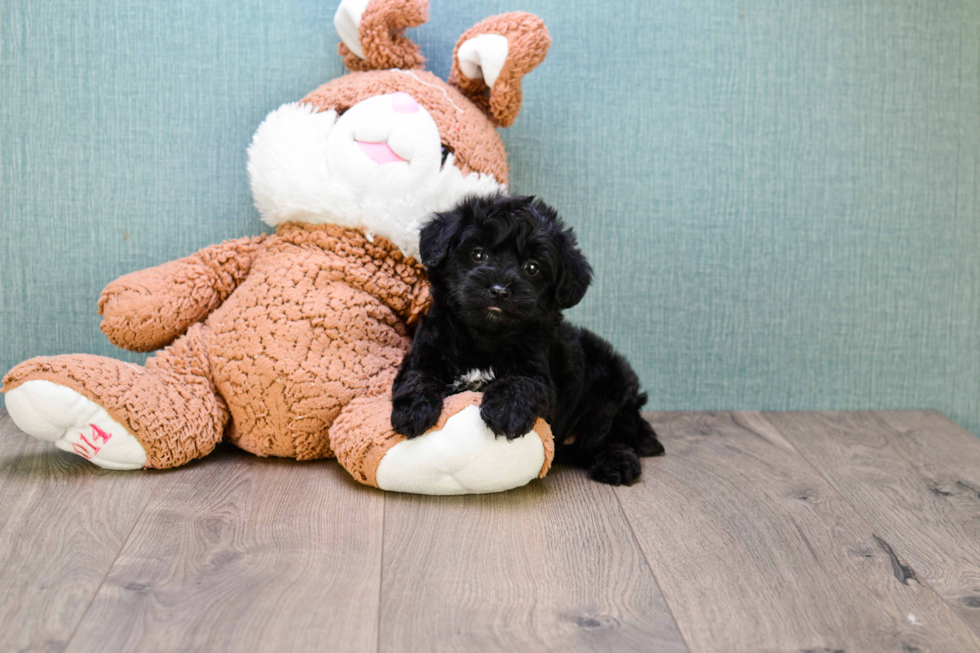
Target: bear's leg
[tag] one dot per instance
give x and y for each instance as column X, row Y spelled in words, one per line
column 459, row 455
column 118, row 415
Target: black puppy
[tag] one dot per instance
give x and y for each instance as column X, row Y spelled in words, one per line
column 502, row 269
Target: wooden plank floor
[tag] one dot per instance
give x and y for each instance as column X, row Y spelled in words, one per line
column 757, row 532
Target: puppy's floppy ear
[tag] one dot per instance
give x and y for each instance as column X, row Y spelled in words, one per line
column 573, row 274
column 437, row 237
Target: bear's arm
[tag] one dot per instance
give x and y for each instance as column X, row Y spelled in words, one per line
column 147, row 310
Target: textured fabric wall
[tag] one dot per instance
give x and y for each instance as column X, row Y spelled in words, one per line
column 780, row 198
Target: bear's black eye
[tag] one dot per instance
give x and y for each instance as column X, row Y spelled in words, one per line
column 478, row 255
column 446, row 151
column 531, row 268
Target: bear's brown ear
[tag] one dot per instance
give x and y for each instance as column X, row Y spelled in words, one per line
column 491, row 58
column 372, row 33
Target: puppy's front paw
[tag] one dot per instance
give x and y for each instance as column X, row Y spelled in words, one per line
column 414, row 414
column 617, row 465
column 509, row 418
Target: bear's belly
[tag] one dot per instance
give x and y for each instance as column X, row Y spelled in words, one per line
column 290, row 348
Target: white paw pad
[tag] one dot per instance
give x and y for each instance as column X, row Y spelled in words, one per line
column 463, row 457
column 54, row 413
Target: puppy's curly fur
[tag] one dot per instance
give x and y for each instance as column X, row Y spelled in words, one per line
column 502, row 269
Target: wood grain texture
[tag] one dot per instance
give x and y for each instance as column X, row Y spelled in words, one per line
column 238, row 553
column 757, row 532
column 915, row 476
column 550, row 567
column 62, row 523
column 755, row 551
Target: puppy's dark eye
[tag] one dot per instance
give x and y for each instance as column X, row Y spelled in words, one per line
column 446, row 151
column 478, row 255
column 531, row 268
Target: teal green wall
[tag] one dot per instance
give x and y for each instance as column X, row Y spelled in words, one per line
column 781, row 199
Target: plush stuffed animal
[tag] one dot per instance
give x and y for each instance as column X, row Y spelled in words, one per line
column 287, row 344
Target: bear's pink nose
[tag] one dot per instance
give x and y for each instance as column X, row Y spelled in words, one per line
column 404, row 103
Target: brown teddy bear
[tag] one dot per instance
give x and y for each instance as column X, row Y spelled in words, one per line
column 287, row 344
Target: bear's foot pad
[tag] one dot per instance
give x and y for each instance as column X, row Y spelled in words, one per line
column 55, row 413
column 463, row 457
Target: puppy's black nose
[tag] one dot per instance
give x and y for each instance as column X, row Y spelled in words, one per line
column 499, row 292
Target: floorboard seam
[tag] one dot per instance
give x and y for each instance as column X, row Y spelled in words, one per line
column 108, row 571
column 381, row 569
column 924, row 584
column 636, row 543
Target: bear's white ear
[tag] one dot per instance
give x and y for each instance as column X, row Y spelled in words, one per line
column 347, row 21
column 483, row 57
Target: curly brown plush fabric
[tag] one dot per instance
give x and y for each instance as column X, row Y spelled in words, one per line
column 330, row 327
column 321, row 317
column 527, row 44
column 382, row 38
column 142, row 312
